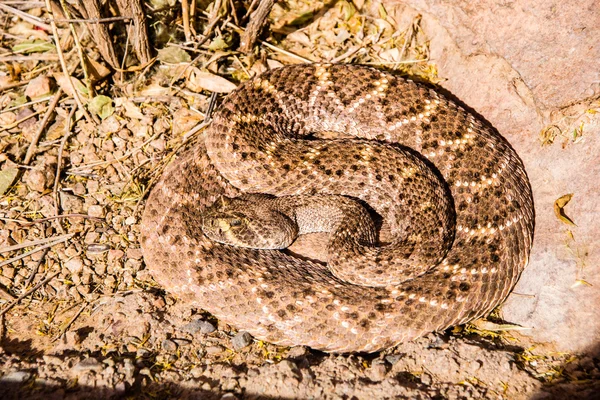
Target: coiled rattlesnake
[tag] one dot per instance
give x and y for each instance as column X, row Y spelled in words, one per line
column 264, row 139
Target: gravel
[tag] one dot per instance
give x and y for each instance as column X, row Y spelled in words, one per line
column 199, row 325
column 241, row 340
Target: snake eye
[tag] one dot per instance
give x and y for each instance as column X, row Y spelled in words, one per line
column 235, row 222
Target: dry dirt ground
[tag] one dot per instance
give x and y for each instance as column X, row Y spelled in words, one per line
column 80, row 318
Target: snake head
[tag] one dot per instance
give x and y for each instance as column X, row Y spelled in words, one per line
column 248, row 222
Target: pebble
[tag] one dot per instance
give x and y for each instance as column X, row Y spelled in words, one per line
column 168, row 345
column 289, row 367
column 426, row 379
column 297, row 352
column 377, row 371
column 38, row 87
column 15, row 377
column 134, row 253
column 393, row 358
column 196, row 372
column 36, row 180
column 8, row 272
column 74, row 265
column 79, row 189
column 210, row 350
column 241, row 340
column 96, row 211
column 97, row 248
column 199, row 325
column 88, row 364
column 114, row 255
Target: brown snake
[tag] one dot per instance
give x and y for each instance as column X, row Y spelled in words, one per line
column 265, row 138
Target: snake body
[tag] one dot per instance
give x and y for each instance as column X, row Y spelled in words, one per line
column 452, row 191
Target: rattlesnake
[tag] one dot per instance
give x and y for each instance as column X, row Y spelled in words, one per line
column 267, row 138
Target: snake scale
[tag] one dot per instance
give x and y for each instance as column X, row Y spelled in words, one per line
column 338, row 130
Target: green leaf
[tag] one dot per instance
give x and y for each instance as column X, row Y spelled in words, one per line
column 18, row 101
column 102, row 106
column 173, row 55
column 218, row 44
column 33, row 46
column 302, row 19
column 7, row 177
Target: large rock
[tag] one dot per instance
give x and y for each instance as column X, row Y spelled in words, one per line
column 526, row 66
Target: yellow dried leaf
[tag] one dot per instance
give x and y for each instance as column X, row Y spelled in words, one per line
column 580, row 282
column 559, row 205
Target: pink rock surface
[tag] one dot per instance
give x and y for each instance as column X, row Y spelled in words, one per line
column 526, row 65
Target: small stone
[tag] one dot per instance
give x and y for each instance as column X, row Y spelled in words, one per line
column 393, row 358
column 129, row 369
column 115, row 255
column 211, row 350
column 134, row 253
column 196, row 372
column 159, row 144
column 130, row 220
column 70, row 203
column 100, row 269
column 120, row 387
column 288, row 367
column 92, row 186
column 199, row 325
column 16, row 377
column 241, row 340
column 28, row 124
column 91, row 237
column 426, row 379
column 182, row 342
column 96, row 211
column 36, row 180
column 8, row 272
column 72, row 338
column 168, row 345
column 97, row 248
column 377, row 371
column 297, row 352
column 74, row 265
column 38, row 87
column 79, row 189
column 228, row 396
column 141, row 353
column 5, row 281
column 88, row 364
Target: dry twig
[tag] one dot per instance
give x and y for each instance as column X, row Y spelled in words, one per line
column 27, row 293
column 63, row 65
column 63, row 238
column 42, row 127
column 254, row 27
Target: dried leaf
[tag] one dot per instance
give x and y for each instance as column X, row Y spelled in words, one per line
column 7, row 177
column 580, row 282
column 62, row 81
column 102, row 106
column 197, row 80
column 33, row 46
column 559, row 205
column 173, row 55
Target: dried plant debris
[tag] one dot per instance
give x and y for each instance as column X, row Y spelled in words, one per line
column 83, row 138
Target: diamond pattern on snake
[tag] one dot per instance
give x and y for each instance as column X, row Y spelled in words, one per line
column 349, row 151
